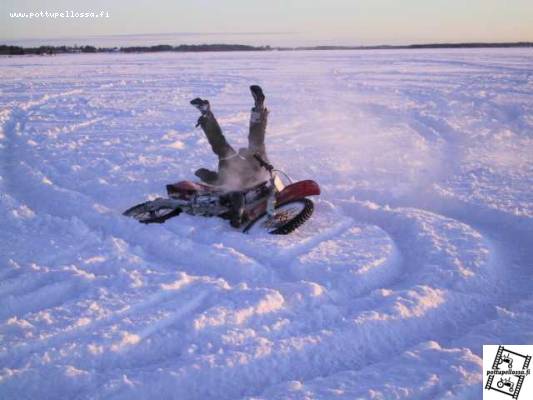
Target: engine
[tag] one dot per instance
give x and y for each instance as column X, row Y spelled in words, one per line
column 207, row 205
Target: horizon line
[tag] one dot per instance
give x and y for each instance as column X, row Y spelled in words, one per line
column 243, row 47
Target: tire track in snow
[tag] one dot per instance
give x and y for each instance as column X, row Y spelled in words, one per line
column 65, row 203
column 49, row 294
column 412, row 310
column 71, row 128
column 12, row 120
column 502, row 268
column 510, row 235
column 325, row 346
column 511, row 246
column 293, row 252
column 13, row 124
column 75, row 195
column 185, row 303
column 73, row 201
column 431, row 114
column 340, row 283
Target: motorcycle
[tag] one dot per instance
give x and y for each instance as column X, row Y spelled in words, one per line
column 270, row 206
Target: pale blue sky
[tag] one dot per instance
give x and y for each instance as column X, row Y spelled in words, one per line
column 299, row 21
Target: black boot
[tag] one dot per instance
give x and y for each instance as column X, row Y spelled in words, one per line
column 207, row 176
column 201, row 105
column 204, row 108
column 259, row 97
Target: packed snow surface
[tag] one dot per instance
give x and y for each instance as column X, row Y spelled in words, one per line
column 419, row 252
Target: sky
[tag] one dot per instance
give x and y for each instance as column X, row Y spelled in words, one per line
column 271, row 22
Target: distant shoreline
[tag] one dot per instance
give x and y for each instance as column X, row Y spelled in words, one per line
column 49, row 50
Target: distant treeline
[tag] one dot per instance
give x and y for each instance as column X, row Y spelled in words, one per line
column 421, row 46
column 17, row 50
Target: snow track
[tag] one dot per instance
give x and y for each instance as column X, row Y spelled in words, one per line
column 418, row 253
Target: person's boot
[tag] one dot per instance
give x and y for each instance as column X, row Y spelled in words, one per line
column 201, row 105
column 259, row 97
column 207, row 176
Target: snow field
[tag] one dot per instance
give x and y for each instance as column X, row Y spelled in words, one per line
column 418, row 253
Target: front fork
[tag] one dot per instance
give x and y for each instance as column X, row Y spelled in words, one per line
column 271, row 202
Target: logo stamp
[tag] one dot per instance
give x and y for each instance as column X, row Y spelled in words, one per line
column 506, row 372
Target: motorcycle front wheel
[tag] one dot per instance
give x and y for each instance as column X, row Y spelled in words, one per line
column 287, row 218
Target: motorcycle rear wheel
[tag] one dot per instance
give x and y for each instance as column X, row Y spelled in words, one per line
column 286, row 219
column 147, row 214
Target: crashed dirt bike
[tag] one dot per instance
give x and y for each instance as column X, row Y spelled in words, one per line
column 270, row 206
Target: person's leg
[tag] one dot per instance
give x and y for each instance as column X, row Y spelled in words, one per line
column 207, row 176
column 236, row 208
column 212, row 130
column 258, row 122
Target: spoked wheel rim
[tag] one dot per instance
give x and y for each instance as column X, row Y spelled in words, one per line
column 147, row 214
column 285, row 219
column 154, row 214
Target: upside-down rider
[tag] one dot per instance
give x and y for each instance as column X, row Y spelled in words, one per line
column 236, row 170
